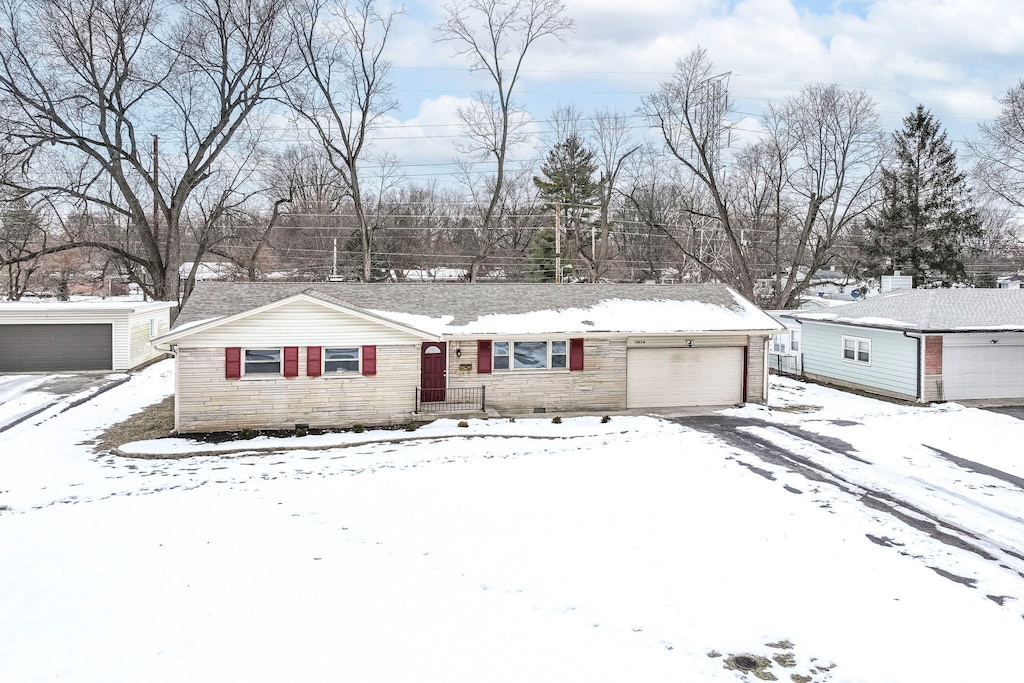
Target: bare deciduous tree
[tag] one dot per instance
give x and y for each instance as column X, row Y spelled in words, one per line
column 495, row 36
column 344, row 90
column 833, row 147
column 614, row 143
column 691, row 111
column 85, row 83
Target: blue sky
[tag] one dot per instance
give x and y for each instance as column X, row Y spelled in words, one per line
column 957, row 57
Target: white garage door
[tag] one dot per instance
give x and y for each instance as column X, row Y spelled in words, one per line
column 660, row 378
column 983, row 370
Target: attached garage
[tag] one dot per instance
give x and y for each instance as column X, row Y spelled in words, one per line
column 684, row 376
column 987, row 366
column 79, row 336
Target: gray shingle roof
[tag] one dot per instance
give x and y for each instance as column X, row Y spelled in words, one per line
column 465, row 302
column 931, row 310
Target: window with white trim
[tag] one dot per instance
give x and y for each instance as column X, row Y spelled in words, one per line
column 530, row 355
column 857, row 349
column 341, row 359
column 262, row 362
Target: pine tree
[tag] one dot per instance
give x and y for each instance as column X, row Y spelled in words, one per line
column 927, row 223
column 540, row 266
column 568, row 186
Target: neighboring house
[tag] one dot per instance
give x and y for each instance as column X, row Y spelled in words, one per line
column 430, row 275
column 275, row 355
column 784, row 348
column 209, row 270
column 923, row 344
column 1014, row 281
column 80, row 335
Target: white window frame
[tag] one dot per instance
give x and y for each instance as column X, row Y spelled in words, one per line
column 861, row 345
column 245, row 362
column 550, row 358
column 344, row 372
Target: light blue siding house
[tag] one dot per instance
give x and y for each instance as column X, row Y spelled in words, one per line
column 921, row 345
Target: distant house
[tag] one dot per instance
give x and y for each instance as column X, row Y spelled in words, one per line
column 275, row 355
column 209, row 270
column 923, row 345
column 80, row 335
column 1014, row 281
column 430, row 275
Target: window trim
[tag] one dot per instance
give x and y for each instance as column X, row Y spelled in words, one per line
column 565, row 354
column 857, row 350
column 262, row 375
column 324, row 372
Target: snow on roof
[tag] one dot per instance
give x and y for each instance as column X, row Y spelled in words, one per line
column 51, row 306
column 506, row 308
column 934, row 310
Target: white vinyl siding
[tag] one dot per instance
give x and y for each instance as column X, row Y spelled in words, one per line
column 297, row 324
column 894, row 357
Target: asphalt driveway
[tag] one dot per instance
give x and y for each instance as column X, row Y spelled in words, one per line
column 827, row 460
column 25, row 396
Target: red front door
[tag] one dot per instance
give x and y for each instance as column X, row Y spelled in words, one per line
column 433, row 371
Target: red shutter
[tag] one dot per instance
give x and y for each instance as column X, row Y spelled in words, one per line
column 575, row 354
column 313, row 361
column 369, row 360
column 232, row 362
column 291, row 361
column 483, row 356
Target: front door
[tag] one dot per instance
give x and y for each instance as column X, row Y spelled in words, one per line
column 433, row 371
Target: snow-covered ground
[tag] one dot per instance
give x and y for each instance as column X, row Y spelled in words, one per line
column 640, row 549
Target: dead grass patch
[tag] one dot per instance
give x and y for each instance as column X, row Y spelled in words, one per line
column 154, row 422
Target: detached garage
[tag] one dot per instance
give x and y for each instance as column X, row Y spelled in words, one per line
column 924, row 345
column 80, row 336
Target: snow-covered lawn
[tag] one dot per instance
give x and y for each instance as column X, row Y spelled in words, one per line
column 527, row 551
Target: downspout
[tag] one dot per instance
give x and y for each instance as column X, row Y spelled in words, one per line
column 801, row 322
column 920, row 376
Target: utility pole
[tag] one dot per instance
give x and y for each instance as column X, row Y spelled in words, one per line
column 558, row 243
column 156, row 189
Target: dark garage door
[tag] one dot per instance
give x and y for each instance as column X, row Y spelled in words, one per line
column 40, row 348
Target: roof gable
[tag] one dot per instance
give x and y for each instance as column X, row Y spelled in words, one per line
column 310, row 298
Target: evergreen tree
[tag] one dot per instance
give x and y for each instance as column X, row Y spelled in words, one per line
column 540, row 265
column 927, row 223
column 568, row 186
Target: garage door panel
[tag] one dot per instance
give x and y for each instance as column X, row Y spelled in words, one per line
column 56, row 348
column 994, row 371
column 667, row 377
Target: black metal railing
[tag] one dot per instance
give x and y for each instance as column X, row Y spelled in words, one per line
column 451, row 400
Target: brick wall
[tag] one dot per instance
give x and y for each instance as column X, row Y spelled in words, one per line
column 756, row 351
column 933, row 368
